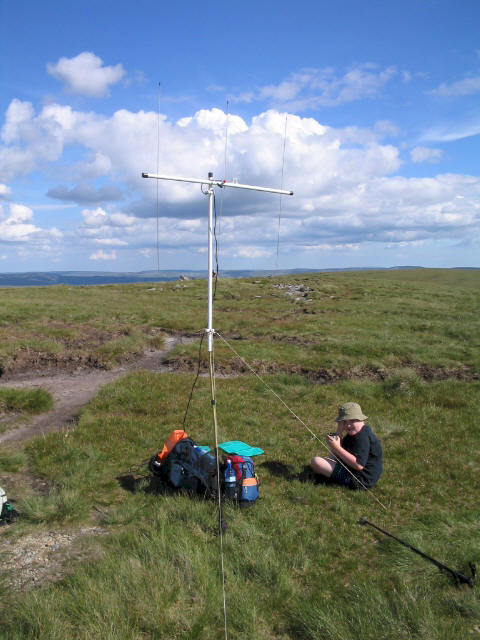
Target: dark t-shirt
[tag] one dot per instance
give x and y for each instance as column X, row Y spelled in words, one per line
column 367, row 450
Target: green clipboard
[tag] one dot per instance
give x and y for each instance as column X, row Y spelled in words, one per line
column 239, row 448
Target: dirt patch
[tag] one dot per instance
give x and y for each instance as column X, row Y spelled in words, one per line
column 40, row 558
column 71, row 351
column 325, row 375
column 71, row 390
column 24, row 362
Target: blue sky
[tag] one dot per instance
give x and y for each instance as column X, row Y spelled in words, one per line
column 370, row 111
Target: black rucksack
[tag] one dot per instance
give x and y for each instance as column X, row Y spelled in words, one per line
column 7, row 512
column 187, row 467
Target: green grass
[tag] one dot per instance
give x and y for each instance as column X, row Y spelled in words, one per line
column 297, row 564
column 380, row 319
column 97, row 324
column 18, row 404
column 25, row 400
column 11, row 462
column 347, row 322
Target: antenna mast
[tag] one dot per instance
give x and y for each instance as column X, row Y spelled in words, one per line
column 211, row 183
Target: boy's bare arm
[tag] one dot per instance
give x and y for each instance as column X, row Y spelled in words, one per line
column 344, row 455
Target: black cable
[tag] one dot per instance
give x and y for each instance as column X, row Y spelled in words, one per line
column 459, row 578
column 195, row 381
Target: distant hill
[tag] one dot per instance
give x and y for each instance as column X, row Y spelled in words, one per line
column 49, row 278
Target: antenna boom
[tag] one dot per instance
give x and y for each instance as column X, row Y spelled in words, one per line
column 218, row 183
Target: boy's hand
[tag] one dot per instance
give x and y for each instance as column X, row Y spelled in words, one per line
column 333, row 443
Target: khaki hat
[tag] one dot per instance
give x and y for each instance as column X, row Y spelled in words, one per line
column 350, row 411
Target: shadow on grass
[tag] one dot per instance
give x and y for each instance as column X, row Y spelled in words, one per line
column 145, row 484
column 279, row 469
column 287, row 472
column 150, row 484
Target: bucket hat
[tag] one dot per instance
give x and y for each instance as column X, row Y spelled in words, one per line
column 350, row 411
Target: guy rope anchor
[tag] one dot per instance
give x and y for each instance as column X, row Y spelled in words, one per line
column 458, row 577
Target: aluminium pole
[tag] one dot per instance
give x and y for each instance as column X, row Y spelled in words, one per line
column 211, row 369
column 210, row 265
column 210, row 329
column 211, row 184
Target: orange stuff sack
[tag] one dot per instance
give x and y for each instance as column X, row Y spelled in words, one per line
column 175, row 436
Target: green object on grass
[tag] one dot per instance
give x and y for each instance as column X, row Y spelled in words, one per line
column 240, row 448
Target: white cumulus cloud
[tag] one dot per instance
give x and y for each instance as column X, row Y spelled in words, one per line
column 85, row 74
column 252, row 252
column 103, row 255
column 18, row 113
column 94, row 217
column 20, row 213
column 17, row 226
column 467, row 86
column 5, row 191
column 122, row 220
column 425, row 154
column 346, row 182
column 111, row 242
column 313, row 88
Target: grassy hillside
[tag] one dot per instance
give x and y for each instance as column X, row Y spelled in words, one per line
column 297, row 565
column 321, row 324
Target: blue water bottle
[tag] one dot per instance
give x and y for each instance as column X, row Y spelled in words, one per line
column 230, row 481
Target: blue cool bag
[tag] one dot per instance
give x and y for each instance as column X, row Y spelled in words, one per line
column 247, row 481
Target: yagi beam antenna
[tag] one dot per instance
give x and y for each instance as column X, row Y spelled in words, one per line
column 218, row 183
column 211, row 182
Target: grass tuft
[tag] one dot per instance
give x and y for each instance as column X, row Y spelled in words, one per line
column 25, row 400
column 403, row 382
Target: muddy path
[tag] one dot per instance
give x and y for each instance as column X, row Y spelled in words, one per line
column 72, row 390
column 44, row 556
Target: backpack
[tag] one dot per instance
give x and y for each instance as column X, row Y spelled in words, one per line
column 247, row 481
column 7, row 512
column 184, row 465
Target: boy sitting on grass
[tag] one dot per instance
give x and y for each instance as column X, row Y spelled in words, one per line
column 355, row 460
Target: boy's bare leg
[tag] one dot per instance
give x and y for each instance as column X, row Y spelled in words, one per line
column 323, row 466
